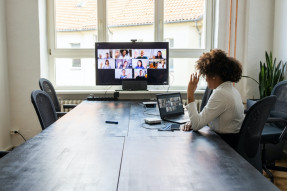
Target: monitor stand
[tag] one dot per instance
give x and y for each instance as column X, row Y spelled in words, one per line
column 131, row 85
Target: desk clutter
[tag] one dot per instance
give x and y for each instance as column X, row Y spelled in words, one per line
column 170, row 127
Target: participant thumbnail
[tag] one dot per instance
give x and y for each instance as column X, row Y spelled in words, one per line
column 159, row 54
column 125, row 54
column 140, row 73
column 142, row 53
column 123, row 63
column 106, row 64
column 123, row 73
column 105, row 54
column 140, row 63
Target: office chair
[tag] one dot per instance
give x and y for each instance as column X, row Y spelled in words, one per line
column 48, row 87
column 205, row 98
column 44, row 108
column 248, row 144
column 273, row 135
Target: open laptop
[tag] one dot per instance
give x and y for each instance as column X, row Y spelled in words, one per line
column 171, row 108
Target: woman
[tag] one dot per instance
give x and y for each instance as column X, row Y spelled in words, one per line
column 159, row 54
column 107, row 65
column 139, row 65
column 124, row 54
column 224, row 109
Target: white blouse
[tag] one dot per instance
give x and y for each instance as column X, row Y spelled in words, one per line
column 223, row 112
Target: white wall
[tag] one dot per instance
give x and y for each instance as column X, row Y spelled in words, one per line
column 23, row 40
column 5, row 142
column 259, row 38
column 254, row 37
column 280, row 31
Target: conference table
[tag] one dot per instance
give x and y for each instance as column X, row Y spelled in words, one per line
column 80, row 151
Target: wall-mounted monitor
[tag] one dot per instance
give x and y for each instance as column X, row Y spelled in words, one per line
column 118, row 61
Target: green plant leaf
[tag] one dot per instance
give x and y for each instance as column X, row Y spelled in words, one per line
column 270, row 74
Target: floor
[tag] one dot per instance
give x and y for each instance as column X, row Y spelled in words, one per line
column 280, row 178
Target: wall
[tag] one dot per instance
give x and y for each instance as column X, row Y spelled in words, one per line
column 259, row 38
column 280, row 31
column 254, row 37
column 23, row 42
column 5, row 142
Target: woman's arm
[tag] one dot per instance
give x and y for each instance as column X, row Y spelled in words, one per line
column 192, row 85
column 215, row 106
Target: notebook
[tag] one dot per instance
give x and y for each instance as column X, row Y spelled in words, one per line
column 171, row 108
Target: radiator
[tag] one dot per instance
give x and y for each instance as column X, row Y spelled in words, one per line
column 78, row 101
column 68, row 101
column 197, row 102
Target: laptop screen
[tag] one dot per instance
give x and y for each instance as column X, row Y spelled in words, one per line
column 169, row 104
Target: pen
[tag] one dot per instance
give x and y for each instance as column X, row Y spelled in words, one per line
column 112, row 122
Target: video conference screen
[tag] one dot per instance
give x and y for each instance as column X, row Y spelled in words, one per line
column 131, row 61
column 169, row 104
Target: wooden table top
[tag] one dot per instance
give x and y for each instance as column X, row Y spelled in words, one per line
column 200, row 161
column 82, row 152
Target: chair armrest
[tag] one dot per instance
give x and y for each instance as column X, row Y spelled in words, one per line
column 60, row 114
column 275, row 119
column 272, row 120
column 69, row 106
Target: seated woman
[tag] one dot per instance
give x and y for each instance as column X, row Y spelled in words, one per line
column 224, row 110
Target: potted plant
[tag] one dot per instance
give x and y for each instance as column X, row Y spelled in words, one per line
column 269, row 75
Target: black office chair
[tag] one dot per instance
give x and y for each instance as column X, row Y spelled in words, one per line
column 44, row 108
column 48, row 87
column 273, row 135
column 248, row 145
column 205, row 98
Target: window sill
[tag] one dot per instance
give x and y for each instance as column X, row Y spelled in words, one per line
column 123, row 92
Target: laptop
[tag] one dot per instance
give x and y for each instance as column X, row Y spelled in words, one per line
column 171, row 108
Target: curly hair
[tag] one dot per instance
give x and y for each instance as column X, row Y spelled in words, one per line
column 216, row 62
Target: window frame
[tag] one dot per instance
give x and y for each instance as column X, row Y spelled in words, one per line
column 75, row 53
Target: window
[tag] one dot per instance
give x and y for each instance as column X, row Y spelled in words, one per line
column 75, row 21
column 76, row 63
column 128, row 20
column 75, row 26
column 184, row 22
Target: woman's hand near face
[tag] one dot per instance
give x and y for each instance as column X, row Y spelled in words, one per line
column 192, row 85
column 187, row 126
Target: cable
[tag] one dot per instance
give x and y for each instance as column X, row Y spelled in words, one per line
column 153, row 114
column 107, row 90
column 170, row 83
column 17, row 132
